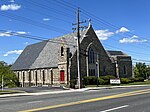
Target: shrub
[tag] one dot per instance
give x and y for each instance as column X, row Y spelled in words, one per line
column 131, row 80
column 101, row 81
column 73, row 82
column 137, row 79
column 140, row 79
column 107, row 78
column 90, row 80
column 125, row 80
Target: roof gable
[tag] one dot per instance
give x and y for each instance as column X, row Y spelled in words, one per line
column 116, row 53
column 28, row 56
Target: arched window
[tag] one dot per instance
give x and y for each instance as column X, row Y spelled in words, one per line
column 62, row 51
column 124, row 70
column 91, row 56
column 43, row 73
column 36, row 78
column 23, row 79
column 92, row 72
column 104, row 69
column 29, row 73
column 18, row 76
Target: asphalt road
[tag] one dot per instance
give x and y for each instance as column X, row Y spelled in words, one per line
column 35, row 89
column 135, row 99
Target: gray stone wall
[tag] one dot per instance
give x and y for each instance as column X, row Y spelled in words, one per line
column 63, row 64
column 51, row 76
column 104, row 60
column 124, row 61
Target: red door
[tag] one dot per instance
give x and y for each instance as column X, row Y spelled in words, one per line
column 62, row 75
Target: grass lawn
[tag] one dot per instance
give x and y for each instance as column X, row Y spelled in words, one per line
column 139, row 83
column 9, row 92
column 134, row 83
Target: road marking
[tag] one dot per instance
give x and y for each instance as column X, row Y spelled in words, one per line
column 35, row 102
column 116, row 108
column 133, row 93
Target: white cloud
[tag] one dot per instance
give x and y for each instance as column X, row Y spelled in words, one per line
column 10, row 7
column 103, row 34
column 13, row 52
column 10, row 19
column 5, row 34
column 26, row 43
column 46, row 19
column 12, row 1
column 134, row 36
column 133, row 39
column 21, row 32
column 122, row 30
column 12, row 33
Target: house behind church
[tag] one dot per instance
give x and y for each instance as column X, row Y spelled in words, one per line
column 54, row 62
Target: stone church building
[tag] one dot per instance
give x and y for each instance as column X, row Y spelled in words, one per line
column 54, row 62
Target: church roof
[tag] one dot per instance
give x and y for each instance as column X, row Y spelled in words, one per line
column 116, row 53
column 45, row 54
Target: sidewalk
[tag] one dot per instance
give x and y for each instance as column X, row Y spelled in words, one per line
column 67, row 91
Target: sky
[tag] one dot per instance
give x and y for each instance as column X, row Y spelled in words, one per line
column 120, row 24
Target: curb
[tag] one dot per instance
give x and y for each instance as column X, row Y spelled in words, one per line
column 113, row 87
column 68, row 91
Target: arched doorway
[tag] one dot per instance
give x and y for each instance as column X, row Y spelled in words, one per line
column 62, row 76
column 51, row 77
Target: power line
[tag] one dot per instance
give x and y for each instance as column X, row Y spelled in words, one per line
column 98, row 19
column 59, row 42
column 46, row 14
column 43, row 6
column 34, row 23
column 63, row 4
column 38, row 38
column 133, row 59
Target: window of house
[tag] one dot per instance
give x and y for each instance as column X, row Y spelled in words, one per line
column 104, row 69
column 91, row 72
column 29, row 76
column 91, row 56
column 62, row 51
column 35, row 78
column 23, row 79
column 124, row 70
column 43, row 77
column 18, row 75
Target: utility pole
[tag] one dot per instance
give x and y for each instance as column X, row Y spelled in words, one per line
column 78, row 46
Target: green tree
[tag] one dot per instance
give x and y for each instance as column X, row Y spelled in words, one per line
column 141, row 70
column 9, row 77
column 148, row 71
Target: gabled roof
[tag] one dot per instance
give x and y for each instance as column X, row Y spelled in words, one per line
column 44, row 54
column 115, row 53
column 28, row 56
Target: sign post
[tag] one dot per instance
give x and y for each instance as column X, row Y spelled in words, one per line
column 115, row 81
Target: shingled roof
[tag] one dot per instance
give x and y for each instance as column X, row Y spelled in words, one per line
column 115, row 53
column 44, row 54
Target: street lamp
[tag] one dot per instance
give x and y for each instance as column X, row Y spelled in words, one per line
column 97, row 65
